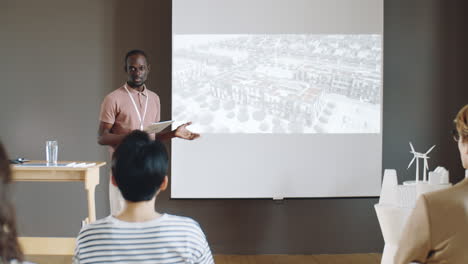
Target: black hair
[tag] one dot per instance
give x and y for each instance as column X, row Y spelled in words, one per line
column 9, row 245
column 139, row 166
column 135, row 52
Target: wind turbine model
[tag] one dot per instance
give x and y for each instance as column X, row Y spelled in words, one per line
column 417, row 156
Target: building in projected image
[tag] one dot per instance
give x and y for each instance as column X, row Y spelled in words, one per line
column 278, row 83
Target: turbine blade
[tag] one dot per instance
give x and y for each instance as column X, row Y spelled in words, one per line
column 426, row 164
column 411, row 162
column 412, row 148
column 430, row 149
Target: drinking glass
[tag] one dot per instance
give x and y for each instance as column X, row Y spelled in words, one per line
column 51, row 152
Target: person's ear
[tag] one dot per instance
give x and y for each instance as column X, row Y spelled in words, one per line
column 164, row 184
column 113, row 180
column 149, row 67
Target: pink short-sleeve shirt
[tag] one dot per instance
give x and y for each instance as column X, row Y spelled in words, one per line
column 118, row 109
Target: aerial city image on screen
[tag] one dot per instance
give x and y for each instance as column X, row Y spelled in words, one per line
column 278, row 83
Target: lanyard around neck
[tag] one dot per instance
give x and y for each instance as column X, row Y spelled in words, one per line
column 136, row 108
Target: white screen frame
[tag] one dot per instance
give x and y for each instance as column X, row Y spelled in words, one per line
column 269, row 165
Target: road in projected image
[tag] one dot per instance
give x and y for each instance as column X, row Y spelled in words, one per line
column 278, row 83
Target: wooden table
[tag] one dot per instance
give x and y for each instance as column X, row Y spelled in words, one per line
column 88, row 175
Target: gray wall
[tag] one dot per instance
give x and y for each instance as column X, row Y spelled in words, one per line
column 59, row 59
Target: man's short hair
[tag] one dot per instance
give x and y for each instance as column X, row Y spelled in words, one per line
column 139, row 166
column 135, row 52
column 461, row 123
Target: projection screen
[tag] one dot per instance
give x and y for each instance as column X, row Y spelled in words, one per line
column 287, row 96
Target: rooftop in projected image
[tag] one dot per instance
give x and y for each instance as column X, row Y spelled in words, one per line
column 278, row 83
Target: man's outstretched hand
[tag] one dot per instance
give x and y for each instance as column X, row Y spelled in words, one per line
column 182, row 132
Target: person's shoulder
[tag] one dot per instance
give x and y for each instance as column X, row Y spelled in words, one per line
column 456, row 192
column 152, row 93
column 115, row 94
column 105, row 222
column 447, row 202
column 446, row 210
column 100, row 222
column 181, row 220
column 189, row 226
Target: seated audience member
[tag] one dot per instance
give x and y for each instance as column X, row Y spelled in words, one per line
column 437, row 229
column 139, row 234
column 10, row 250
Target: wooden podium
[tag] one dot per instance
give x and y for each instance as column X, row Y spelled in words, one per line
column 88, row 175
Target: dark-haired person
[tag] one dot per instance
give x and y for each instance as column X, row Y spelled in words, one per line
column 132, row 106
column 10, row 250
column 437, row 230
column 139, row 234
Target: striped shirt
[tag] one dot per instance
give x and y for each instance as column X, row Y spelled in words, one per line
column 167, row 239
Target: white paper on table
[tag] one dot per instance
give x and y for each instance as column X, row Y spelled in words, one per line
column 80, row 165
column 41, row 165
column 69, row 165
